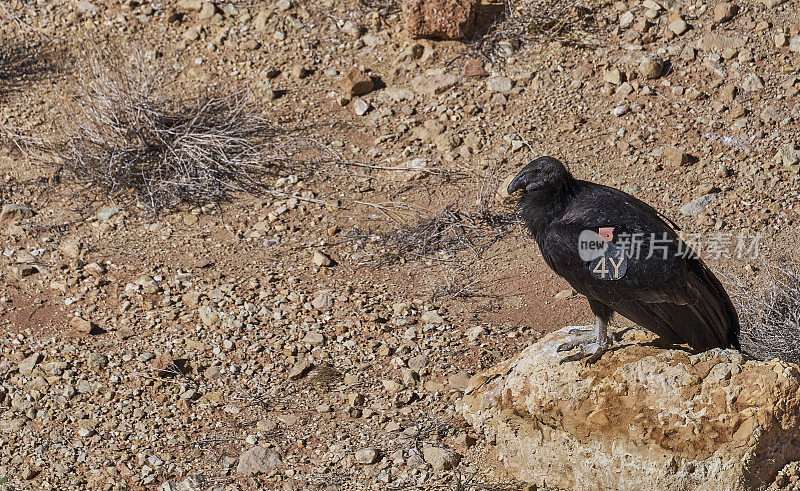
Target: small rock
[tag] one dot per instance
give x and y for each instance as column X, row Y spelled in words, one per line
column 191, row 34
column 356, row 82
column 500, row 84
column 475, row 332
column 441, row 459
column 360, row 106
column 678, row 27
column 676, row 156
column 207, row 11
column 107, row 212
column 258, row 460
column 300, row 369
column 473, row 68
column 322, row 301
column 459, row 380
column 432, row 317
column 299, row 71
column 651, row 67
column 465, row 440
column 163, row 364
column 82, row 325
column 367, row 456
column 788, row 155
column 314, row 339
column 564, row 294
column 698, row 204
column 208, row 315
column 27, row 365
column 752, row 82
column 725, row 12
column 98, row 360
column 434, row 84
column 620, row 110
column 626, row 19
column 352, row 29
column 321, row 259
column 614, row 76
column 794, row 44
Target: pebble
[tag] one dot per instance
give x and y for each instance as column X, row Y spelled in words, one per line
column 724, row 12
column 434, row 84
column 107, row 212
column 258, row 460
column 352, row 29
column 794, row 44
column 651, row 67
column 300, row 369
column 432, row 317
column 499, row 84
column 678, row 27
column 441, row 459
column 356, row 82
column 698, row 205
column 752, row 83
column 27, row 365
column 367, row 456
column 323, row 301
column 614, row 76
column 321, row 258
column 360, row 106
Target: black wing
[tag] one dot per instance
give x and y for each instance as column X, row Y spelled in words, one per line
column 676, row 296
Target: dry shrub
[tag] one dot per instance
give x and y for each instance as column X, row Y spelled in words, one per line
column 22, row 64
column 455, row 227
column 129, row 131
column 769, row 312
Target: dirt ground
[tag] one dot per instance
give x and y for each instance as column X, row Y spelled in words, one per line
column 141, row 349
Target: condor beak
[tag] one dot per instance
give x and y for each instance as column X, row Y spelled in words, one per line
column 519, row 182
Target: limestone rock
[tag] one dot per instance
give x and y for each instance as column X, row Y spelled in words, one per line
column 641, row 418
column 439, row 19
column 257, row 460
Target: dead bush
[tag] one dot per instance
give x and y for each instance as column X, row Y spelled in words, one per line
column 472, row 226
column 769, row 312
column 130, row 130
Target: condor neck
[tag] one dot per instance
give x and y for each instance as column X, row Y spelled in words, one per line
column 541, row 209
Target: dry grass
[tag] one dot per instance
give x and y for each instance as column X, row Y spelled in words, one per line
column 128, row 132
column 769, row 312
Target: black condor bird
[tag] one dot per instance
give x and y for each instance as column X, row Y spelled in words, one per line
column 621, row 254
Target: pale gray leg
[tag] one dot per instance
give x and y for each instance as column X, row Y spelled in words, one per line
column 592, row 345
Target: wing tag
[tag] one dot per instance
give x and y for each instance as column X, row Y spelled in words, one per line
column 611, row 265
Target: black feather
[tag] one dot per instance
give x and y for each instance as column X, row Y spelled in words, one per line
column 672, row 294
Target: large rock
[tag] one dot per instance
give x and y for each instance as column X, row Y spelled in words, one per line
column 439, row 19
column 641, row 418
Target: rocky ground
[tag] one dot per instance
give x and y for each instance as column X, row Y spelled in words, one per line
column 310, row 337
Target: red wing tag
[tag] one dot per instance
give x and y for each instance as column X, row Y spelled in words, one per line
column 607, row 233
column 612, row 265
